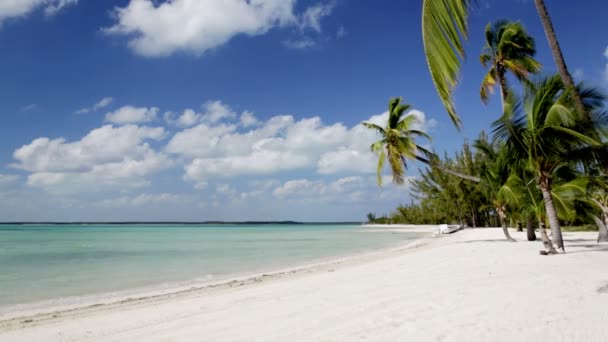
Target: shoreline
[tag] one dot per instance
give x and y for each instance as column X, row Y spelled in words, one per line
column 54, row 308
column 472, row 285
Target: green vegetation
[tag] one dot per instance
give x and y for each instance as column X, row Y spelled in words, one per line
column 546, row 162
column 508, row 48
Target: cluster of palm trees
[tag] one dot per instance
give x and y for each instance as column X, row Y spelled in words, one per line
column 547, row 157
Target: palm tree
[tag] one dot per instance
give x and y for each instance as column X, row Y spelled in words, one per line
column 508, row 48
column 445, row 27
column 398, row 145
column 546, row 135
column 371, row 217
column 557, row 52
column 500, row 183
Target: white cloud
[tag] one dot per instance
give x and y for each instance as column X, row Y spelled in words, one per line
column 205, row 24
column 300, row 44
column 141, row 200
column 216, row 111
column 341, row 32
column 350, row 189
column 107, row 156
column 312, row 16
column 188, row 118
column 130, row 115
column 20, row 8
column 224, row 150
column 55, row 6
column 248, row 119
column 212, row 112
column 347, row 160
column 103, row 103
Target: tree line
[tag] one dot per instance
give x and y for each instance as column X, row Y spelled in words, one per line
column 545, row 160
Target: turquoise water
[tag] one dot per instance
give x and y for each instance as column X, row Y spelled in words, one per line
column 40, row 263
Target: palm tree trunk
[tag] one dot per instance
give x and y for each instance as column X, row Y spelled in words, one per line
column 601, row 223
column 602, row 236
column 530, row 230
column 604, row 232
column 556, row 229
column 557, row 54
column 545, row 239
column 503, row 224
column 448, row 171
column 504, row 91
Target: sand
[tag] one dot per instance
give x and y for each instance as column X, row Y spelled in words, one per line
column 468, row 286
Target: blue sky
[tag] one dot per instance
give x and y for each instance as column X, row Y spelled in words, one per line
column 228, row 110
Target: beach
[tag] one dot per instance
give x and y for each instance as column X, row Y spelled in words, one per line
column 468, row 286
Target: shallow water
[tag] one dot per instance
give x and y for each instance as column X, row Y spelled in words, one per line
column 39, row 263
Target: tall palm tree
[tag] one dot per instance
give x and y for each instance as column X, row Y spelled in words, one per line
column 444, row 29
column 557, row 53
column 397, row 144
column 547, row 134
column 508, row 48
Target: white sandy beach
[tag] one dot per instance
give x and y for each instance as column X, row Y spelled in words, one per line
column 469, row 286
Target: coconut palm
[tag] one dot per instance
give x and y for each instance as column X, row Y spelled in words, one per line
column 548, row 133
column 444, row 29
column 508, row 48
column 398, row 144
column 398, row 141
column 562, row 69
column 501, row 185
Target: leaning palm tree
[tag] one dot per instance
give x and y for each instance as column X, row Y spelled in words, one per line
column 397, row 144
column 547, row 134
column 444, row 29
column 508, row 49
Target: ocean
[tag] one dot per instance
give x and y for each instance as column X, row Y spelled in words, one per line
column 42, row 263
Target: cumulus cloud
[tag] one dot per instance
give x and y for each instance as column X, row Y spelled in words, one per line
column 350, row 189
column 216, row 111
column 107, row 156
column 130, row 115
column 20, row 8
column 248, row 119
column 206, row 24
column 103, row 103
column 282, row 143
column 212, row 112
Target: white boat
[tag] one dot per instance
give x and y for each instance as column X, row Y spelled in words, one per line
column 448, row 229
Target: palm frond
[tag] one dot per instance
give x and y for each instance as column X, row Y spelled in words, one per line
column 444, row 27
column 374, row 127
